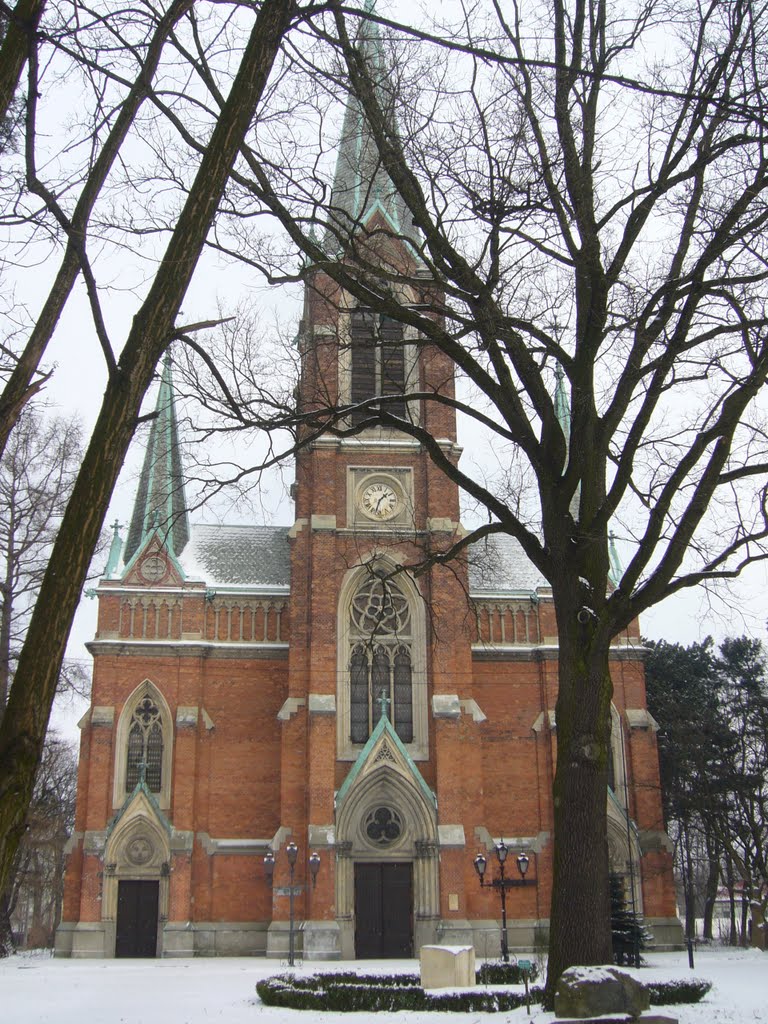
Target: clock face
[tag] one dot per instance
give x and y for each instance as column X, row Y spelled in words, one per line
column 379, row 501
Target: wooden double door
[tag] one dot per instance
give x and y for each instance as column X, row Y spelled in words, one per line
column 137, row 907
column 383, row 910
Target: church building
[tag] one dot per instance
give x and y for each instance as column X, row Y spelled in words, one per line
column 282, row 719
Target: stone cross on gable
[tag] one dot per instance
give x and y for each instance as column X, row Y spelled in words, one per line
column 384, row 700
column 143, row 771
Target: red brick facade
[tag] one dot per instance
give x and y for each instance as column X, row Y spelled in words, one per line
column 250, row 677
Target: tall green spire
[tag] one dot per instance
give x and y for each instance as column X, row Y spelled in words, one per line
column 160, row 500
column 361, row 186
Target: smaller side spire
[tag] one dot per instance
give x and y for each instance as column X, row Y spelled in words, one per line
column 562, row 406
column 113, row 559
column 563, row 413
column 616, row 570
column 160, row 498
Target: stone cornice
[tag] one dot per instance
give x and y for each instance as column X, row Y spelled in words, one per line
column 189, row 649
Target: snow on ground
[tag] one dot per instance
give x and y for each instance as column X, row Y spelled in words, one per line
column 38, row 990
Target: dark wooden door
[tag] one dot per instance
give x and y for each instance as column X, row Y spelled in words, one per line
column 383, row 910
column 137, row 919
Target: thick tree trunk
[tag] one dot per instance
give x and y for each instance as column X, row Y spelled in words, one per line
column 24, row 724
column 690, row 892
column 580, row 928
column 7, row 945
column 710, row 896
column 6, row 614
column 733, row 939
column 15, row 49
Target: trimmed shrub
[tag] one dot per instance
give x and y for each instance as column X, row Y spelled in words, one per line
column 348, row 993
column 495, row 972
column 668, row 993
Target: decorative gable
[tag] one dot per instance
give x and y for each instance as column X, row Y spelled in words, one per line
column 154, row 565
column 385, row 751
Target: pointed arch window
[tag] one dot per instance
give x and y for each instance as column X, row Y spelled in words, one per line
column 145, row 747
column 380, row 660
column 378, row 364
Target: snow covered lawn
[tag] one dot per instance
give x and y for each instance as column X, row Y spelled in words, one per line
column 39, row 990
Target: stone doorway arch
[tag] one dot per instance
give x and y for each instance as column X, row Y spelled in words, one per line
column 387, row 815
column 138, row 853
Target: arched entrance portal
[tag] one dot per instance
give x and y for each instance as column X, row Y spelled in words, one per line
column 135, row 895
column 387, row 866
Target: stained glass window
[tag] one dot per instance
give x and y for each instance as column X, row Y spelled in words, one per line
column 145, row 747
column 380, row 668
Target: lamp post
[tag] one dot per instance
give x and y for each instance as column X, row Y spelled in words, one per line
column 502, row 883
column 292, row 852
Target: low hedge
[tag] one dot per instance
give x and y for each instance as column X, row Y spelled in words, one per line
column 347, row 993
column 668, row 993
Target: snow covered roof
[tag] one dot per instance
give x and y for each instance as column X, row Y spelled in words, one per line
column 498, row 565
column 258, row 556
column 238, row 556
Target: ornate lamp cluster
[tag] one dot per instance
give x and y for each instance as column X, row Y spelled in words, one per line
column 292, row 853
column 502, row 883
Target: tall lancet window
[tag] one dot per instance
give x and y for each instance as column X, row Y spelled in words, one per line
column 380, row 663
column 378, row 364
column 145, row 747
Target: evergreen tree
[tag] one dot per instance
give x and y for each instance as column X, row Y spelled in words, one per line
column 628, row 933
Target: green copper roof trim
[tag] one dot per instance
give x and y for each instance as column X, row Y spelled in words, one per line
column 115, row 549
column 140, row 787
column 383, row 726
column 161, row 484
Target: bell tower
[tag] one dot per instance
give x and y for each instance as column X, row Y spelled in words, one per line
column 368, row 640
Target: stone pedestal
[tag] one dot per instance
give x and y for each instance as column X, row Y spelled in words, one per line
column 322, row 940
column 447, row 966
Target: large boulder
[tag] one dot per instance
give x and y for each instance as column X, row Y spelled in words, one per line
column 590, row 991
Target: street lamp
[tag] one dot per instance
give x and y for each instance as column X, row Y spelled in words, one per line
column 502, row 883
column 292, row 852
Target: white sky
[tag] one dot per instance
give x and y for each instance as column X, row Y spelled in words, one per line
column 77, row 385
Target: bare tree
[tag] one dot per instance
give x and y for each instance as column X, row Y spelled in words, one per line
column 36, row 477
column 129, row 373
column 35, row 895
column 587, row 230
column 19, row 28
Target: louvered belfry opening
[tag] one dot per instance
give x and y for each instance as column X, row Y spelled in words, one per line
column 378, row 364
